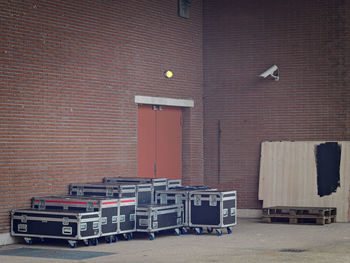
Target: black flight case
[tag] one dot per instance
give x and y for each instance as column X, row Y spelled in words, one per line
column 155, row 218
column 117, row 214
column 144, row 191
column 70, row 225
column 157, row 183
column 101, row 189
column 212, row 209
column 179, row 195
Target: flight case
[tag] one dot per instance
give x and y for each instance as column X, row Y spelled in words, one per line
column 179, row 195
column 157, row 183
column 101, row 189
column 154, row 218
column 70, row 225
column 117, row 214
column 212, row 209
column 127, row 217
column 174, row 183
column 143, row 191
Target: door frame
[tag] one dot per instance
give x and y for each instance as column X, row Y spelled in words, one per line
column 161, row 101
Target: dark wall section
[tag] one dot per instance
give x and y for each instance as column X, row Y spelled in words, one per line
column 309, row 42
column 69, row 74
column 328, row 156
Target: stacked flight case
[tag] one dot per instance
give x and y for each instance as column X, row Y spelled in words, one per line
column 128, row 195
column 142, row 191
column 212, row 209
column 158, row 184
column 123, row 205
column 117, row 214
column 152, row 217
column 101, row 189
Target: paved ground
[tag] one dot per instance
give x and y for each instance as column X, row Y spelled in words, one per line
column 251, row 241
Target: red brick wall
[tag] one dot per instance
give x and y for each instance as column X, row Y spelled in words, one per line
column 69, row 74
column 309, row 41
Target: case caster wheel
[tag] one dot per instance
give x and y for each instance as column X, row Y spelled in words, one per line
column 95, row 241
column 72, row 244
column 177, row 232
column 199, row 230
column 152, row 236
column 219, row 232
column 184, row 231
column 114, row 239
column 28, row 241
column 127, row 236
column 210, row 230
column 229, row 231
column 109, row 239
column 87, row 242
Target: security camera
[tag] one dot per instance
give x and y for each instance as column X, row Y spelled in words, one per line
column 272, row 71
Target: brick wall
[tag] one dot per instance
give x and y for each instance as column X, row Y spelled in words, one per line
column 69, row 74
column 309, row 41
column 70, row 70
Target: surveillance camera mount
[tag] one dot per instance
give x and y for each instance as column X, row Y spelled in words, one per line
column 276, row 75
column 272, row 71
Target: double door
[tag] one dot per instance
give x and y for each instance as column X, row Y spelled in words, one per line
column 159, row 141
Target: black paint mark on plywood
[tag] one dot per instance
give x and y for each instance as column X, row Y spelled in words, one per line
column 328, row 167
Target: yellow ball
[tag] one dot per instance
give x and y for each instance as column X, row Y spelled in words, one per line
column 168, row 74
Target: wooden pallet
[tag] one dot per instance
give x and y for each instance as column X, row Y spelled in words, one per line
column 300, row 215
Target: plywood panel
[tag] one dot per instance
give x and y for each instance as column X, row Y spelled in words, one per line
column 288, row 177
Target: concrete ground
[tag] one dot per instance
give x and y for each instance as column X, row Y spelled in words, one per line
column 251, row 241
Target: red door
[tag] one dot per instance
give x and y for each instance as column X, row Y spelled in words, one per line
column 146, row 152
column 159, row 141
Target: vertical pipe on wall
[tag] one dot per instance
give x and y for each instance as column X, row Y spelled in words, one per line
column 219, row 151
